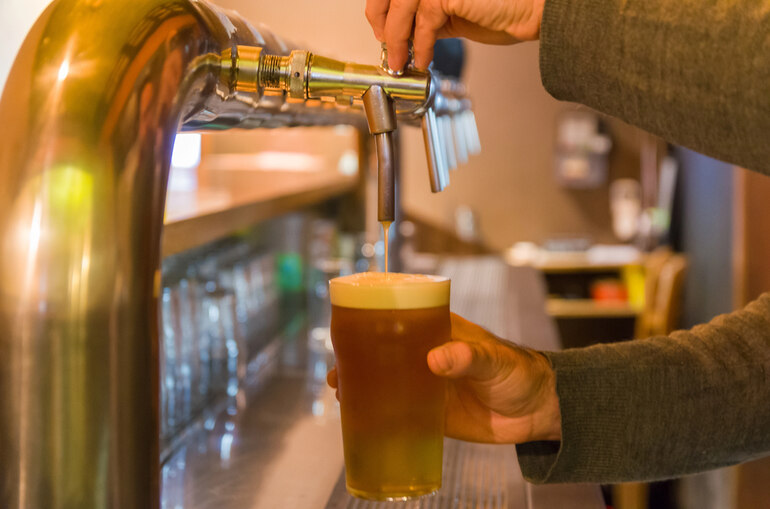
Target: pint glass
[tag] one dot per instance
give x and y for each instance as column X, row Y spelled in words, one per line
column 392, row 406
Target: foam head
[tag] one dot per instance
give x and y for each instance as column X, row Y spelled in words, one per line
column 379, row 290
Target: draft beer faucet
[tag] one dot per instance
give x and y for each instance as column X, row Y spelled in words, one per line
column 412, row 96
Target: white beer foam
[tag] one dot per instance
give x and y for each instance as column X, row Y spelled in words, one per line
column 392, row 290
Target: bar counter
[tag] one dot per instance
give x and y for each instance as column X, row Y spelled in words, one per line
column 237, row 200
column 278, row 444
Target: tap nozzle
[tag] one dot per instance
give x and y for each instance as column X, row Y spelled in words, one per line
column 381, row 118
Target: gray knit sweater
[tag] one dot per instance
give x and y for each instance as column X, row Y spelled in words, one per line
column 697, row 73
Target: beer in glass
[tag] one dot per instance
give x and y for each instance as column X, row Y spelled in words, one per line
column 392, row 405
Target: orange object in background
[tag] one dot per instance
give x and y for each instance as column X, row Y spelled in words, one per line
column 609, row 290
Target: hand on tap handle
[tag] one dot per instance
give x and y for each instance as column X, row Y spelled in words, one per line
column 487, row 21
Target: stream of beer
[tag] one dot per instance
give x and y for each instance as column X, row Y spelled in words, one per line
column 385, row 228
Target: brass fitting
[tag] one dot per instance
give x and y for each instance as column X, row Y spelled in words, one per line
column 285, row 73
column 303, row 75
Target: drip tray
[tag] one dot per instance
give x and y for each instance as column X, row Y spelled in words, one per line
column 475, row 476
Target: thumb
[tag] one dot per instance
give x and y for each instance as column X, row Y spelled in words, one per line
column 459, row 359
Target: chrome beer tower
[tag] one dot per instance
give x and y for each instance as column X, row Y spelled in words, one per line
column 88, row 118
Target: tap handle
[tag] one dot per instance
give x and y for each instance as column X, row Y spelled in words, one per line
column 445, row 125
column 472, row 130
column 434, row 151
column 460, row 141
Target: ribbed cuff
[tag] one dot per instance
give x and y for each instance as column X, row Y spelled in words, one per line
column 537, row 459
column 584, row 399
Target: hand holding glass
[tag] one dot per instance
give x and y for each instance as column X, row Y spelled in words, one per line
column 392, row 406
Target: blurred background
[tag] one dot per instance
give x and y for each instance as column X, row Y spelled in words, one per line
column 517, row 122
column 580, row 196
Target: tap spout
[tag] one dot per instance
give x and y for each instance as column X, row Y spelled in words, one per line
column 381, row 118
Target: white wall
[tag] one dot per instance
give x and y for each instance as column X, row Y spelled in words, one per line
column 16, row 18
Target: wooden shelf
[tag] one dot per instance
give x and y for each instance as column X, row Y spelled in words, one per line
column 232, row 200
column 578, row 262
column 572, row 268
column 588, row 308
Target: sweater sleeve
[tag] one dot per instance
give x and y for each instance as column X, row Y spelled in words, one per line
column 694, row 72
column 661, row 407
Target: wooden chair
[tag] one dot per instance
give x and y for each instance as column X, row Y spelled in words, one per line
column 667, row 305
column 653, row 264
column 664, row 283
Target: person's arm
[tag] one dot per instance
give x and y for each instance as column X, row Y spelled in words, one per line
column 637, row 410
column 661, row 407
column 694, row 72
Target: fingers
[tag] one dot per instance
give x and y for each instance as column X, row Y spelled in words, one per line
column 398, row 30
column 331, row 378
column 394, row 20
column 429, row 21
column 425, row 16
column 473, row 352
column 377, row 12
column 450, row 360
column 459, row 359
column 333, row 382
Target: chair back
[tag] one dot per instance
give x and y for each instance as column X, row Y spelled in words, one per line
column 668, row 296
column 653, row 265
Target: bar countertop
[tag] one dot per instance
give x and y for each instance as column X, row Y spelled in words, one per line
column 278, row 444
column 238, row 199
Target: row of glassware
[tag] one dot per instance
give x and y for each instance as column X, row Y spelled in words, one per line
column 215, row 311
column 220, row 305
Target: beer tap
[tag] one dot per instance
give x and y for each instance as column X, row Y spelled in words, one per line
column 410, row 95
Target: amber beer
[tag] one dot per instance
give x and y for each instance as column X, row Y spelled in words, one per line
column 392, row 406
